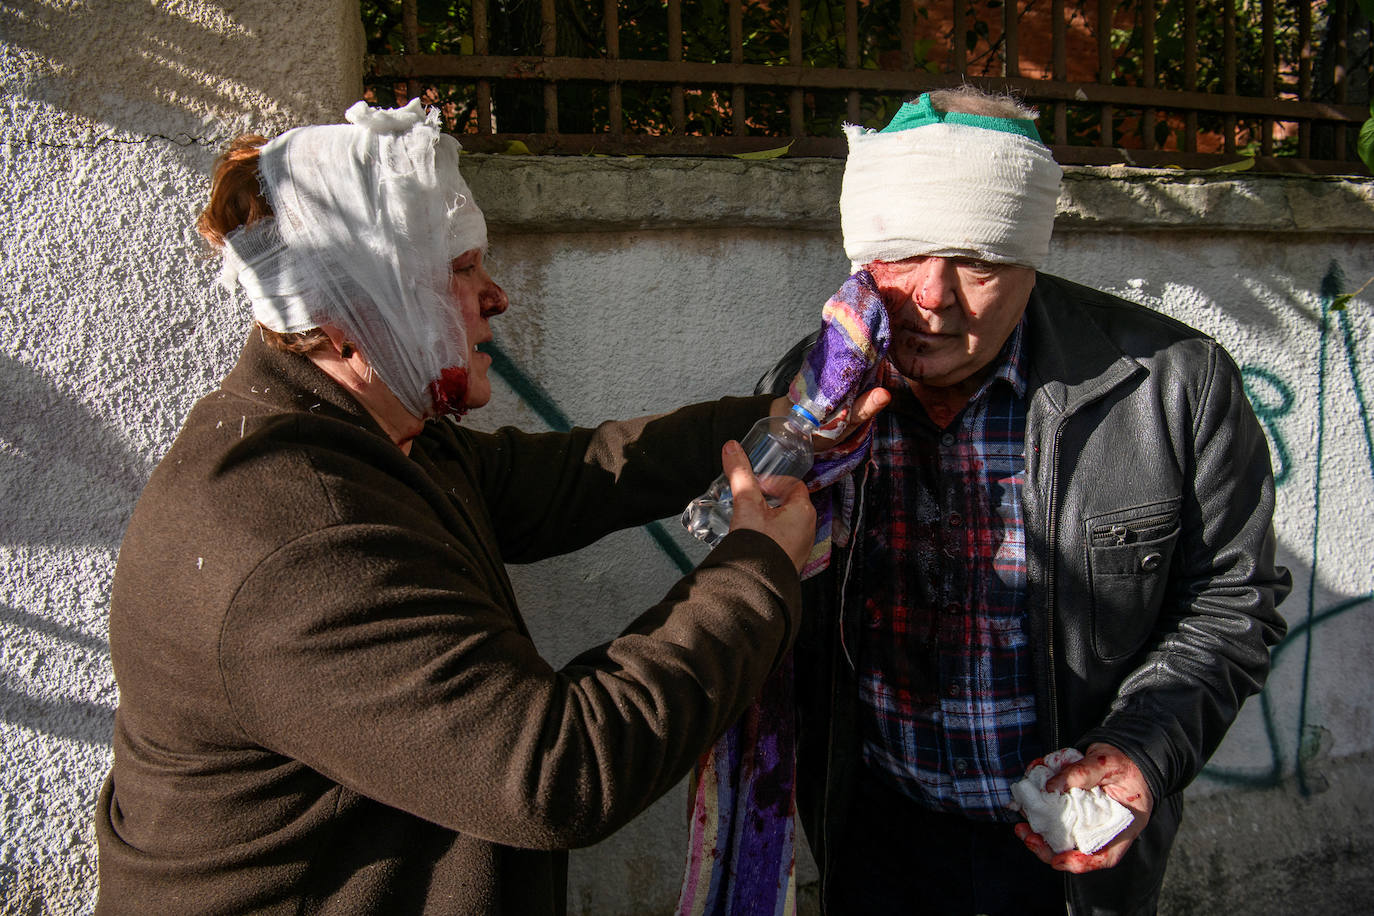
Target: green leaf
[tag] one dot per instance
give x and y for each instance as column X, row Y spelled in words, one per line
column 1365, row 145
column 1340, row 302
column 1240, row 165
column 516, row 148
column 766, row 153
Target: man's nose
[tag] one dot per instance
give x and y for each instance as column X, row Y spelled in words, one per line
column 933, row 283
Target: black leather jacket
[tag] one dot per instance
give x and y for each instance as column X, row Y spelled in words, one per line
column 1150, row 561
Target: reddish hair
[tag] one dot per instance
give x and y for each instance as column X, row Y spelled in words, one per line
column 236, row 201
column 236, row 197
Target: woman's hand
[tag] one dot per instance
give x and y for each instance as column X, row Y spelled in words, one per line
column 792, row 524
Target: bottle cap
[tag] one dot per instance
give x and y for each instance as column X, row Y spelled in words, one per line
column 805, row 414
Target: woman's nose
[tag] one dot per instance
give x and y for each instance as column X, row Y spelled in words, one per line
column 493, row 300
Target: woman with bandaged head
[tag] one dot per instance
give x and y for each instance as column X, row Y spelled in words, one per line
column 329, row 702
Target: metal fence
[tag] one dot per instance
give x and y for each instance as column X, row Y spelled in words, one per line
column 1189, row 83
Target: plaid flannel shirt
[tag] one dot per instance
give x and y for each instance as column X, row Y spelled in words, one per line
column 946, row 686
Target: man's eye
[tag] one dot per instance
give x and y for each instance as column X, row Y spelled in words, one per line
column 973, row 265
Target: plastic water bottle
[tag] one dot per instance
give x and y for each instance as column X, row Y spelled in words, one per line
column 780, row 451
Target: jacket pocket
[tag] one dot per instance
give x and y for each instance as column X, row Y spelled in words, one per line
column 1129, row 555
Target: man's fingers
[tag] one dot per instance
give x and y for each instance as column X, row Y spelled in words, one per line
column 868, row 405
column 1034, row 842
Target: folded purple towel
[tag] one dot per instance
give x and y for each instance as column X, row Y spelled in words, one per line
column 741, row 849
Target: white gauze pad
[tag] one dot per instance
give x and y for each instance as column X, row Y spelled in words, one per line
column 1086, row 819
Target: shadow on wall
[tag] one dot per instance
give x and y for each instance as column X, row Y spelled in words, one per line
column 73, row 720
column 177, row 65
column 67, row 479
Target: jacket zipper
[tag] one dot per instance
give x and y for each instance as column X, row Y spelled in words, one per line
column 1119, row 531
column 1051, row 520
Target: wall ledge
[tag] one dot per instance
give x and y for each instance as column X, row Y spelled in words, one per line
column 566, row 193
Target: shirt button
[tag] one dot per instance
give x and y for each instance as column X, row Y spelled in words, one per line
column 955, row 520
column 1151, row 561
column 947, row 440
column 961, row 766
column 952, row 690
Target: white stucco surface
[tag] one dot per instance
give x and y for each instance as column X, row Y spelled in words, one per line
column 636, row 285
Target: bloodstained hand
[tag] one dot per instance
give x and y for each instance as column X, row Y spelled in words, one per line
column 1105, row 766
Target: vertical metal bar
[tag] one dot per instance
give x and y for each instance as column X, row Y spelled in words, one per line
column 1061, row 69
column 679, row 107
column 851, row 55
column 548, row 35
column 481, row 46
column 907, row 23
column 1149, row 116
column 612, row 17
column 796, row 115
column 1268, row 78
column 960, row 62
column 1341, row 16
column 737, row 100
column 410, row 34
column 1304, row 75
column 1228, row 44
column 1011, row 50
column 1106, row 12
column 1190, row 71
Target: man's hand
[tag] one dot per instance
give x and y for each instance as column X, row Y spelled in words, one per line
column 1105, row 766
column 792, row 524
column 865, row 407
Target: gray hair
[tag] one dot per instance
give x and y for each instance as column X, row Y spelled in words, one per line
column 968, row 99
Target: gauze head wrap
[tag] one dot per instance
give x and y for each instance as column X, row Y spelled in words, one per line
column 367, row 218
column 948, row 184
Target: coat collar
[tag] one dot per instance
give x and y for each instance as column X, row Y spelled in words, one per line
column 1072, row 360
column 288, row 382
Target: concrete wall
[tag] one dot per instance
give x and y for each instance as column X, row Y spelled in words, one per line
column 636, row 285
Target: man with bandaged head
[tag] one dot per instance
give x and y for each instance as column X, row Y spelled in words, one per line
column 1048, row 582
column 329, row 702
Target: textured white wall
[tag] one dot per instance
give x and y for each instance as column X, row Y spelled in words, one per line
column 614, row 324
column 636, row 285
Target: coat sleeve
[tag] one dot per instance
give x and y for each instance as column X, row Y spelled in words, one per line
column 552, row 493
column 1219, row 622
column 378, row 657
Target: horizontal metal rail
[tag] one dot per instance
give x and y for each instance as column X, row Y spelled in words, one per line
column 1106, row 100
column 611, row 72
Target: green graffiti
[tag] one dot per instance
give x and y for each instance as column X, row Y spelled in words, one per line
column 543, row 404
column 1270, row 410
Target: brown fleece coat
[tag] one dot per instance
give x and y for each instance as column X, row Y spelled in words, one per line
column 328, row 700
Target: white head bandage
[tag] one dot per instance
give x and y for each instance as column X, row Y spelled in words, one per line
column 948, row 185
column 368, row 216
